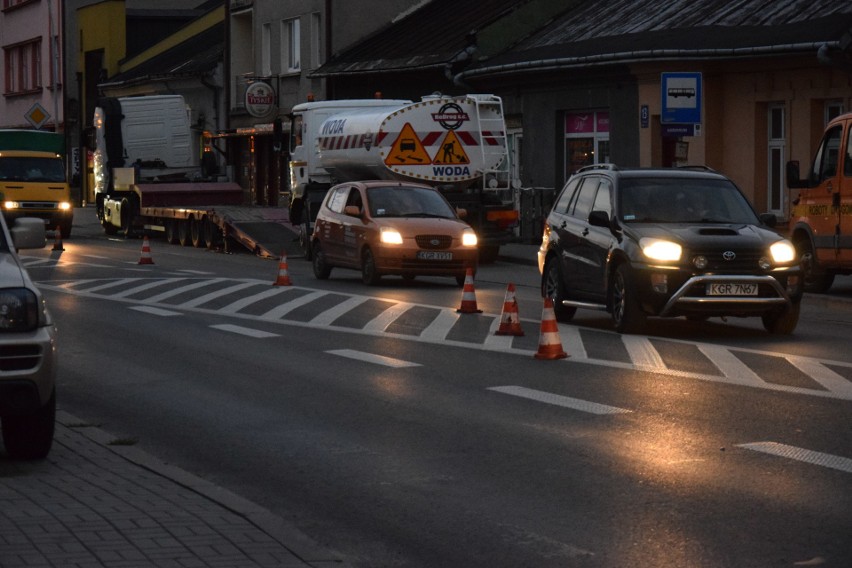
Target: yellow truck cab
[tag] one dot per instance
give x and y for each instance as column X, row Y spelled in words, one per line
column 32, row 178
column 821, row 212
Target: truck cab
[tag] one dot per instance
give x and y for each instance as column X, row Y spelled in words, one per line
column 821, row 212
column 32, row 178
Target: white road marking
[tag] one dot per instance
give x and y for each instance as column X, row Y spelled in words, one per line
column 142, row 287
column 203, row 299
column 247, row 331
column 642, row 353
column 249, row 300
column 735, row 370
column 559, row 400
column 182, row 289
column 823, row 375
column 572, row 343
column 284, row 309
column 440, row 326
column 373, row 358
column 801, row 454
column 155, row 311
column 331, row 314
column 387, row 317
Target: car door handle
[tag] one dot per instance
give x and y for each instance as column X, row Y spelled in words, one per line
column 585, row 231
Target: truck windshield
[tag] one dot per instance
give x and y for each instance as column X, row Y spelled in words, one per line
column 27, row 169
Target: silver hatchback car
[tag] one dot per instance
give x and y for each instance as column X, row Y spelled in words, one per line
column 27, row 348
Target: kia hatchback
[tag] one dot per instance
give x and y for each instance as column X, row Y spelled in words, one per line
column 386, row 228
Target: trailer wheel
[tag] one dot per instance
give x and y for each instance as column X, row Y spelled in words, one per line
column 171, row 231
column 183, row 232
column 196, row 231
column 212, row 234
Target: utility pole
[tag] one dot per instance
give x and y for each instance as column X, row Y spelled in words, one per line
column 54, row 62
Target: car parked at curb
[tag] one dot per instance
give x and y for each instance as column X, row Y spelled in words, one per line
column 27, row 348
column 666, row 242
column 389, row 228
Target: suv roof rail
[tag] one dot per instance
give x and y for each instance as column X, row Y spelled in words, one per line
column 697, row 167
column 603, row 166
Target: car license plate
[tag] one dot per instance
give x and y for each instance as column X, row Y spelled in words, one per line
column 434, row 255
column 731, row 289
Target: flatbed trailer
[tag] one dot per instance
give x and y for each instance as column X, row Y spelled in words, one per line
column 209, row 215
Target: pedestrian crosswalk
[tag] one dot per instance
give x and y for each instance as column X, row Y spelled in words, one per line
column 252, row 299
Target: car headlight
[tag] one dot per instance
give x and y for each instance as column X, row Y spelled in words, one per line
column 658, row 249
column 19, row 310
column 64, row 206
column 390, row 236
column 782, row 252
column 469, row 238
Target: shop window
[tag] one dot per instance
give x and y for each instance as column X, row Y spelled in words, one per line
column 586, row 139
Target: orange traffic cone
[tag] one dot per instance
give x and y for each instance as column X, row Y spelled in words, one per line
column 283, row 277
column 510, row 322
column 57, row 244
column 468, row 303
column 549, row 344
column 146, row 252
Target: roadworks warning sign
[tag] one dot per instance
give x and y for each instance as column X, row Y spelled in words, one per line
column 451, row 152
column 407, row 150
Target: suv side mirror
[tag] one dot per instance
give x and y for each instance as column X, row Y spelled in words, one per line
column 768, row 219
column 599, row 219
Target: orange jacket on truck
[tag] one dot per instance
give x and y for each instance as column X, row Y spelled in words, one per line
column 821, row 212
column 32, row 178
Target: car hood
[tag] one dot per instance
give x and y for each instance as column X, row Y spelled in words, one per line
column 423, row 225
column 11, row 273
column 707, row 235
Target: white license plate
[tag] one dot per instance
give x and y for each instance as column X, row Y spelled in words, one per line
column 434, row 255
column 731, row 289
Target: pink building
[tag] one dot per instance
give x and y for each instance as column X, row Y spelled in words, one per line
column 32, row 71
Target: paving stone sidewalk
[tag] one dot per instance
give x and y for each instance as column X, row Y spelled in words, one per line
column 96, row 503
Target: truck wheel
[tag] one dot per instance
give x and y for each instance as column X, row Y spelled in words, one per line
column 127, row 217
column 29, row 437
column 184, row 237
column 212, row 234
column 305, row 240
column 815, row 279
column 783, row 322
column 196, row 234
column 369, row 273
column 171, row 231
column 109, row 228
column 295, row 211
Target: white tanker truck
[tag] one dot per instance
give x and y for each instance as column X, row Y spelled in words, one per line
column 457, row 144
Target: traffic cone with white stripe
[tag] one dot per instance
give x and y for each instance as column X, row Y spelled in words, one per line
column 146, row 252
column 57, row 243
column 468, row 303
column 510, row 321
column 549, row 344
column 283, row 276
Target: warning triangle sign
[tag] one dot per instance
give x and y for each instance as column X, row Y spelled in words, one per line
column 451, row 151
column 407, row 150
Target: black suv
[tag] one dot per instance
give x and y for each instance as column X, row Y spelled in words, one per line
column 665, row 242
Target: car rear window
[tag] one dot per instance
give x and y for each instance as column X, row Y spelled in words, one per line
column 683, row 200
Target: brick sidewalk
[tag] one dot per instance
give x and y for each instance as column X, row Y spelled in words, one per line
column 96, row 504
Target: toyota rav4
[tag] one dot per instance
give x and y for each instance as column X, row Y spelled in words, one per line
column 666, row 242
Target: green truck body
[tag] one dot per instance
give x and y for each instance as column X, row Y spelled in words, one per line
column 33, row 181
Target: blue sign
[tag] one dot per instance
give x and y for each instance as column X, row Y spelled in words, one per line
column 681, row 98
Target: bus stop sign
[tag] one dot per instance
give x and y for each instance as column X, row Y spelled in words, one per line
column 681, row 98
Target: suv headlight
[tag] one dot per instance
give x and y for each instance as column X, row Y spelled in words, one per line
column 19, row 310
column 782, row 252
column 658, row 249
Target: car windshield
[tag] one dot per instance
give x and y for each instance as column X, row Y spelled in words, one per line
column 683, row 200
column 407, row 201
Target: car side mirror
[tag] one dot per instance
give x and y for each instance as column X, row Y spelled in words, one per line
column 352, row 210
column 768, row 219
column 599, row 219
column 461, row 212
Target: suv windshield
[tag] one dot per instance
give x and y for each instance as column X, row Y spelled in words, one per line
column 406, row 201
column 683, row 200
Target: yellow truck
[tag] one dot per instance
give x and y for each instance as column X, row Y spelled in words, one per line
column 33, row 182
